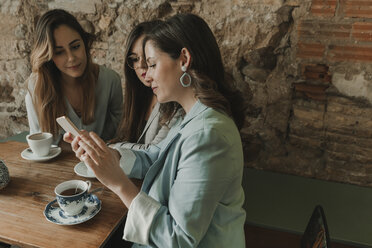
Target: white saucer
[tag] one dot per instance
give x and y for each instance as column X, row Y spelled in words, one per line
column 56, row 215
column 29, row 155
column 82, row 170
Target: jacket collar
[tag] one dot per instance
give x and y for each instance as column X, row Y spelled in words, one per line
column 194, row 111
column 172, row 136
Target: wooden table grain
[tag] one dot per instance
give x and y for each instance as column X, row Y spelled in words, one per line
column 31, row 187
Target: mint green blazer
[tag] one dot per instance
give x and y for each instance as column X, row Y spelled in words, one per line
column 192, row 192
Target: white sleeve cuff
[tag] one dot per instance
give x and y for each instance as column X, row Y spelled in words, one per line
column 127, row 159
column 140, row 215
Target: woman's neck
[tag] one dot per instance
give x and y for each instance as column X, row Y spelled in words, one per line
column 68, row 82
column 188, row 100
column 153, row 102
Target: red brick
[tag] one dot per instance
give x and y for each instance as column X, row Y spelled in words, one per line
column 315, row 92
column 362, row 31
column 318, row 72
column 357, row 8
column 323, row 30
column 325, row 8
column 306, row 50
column 350, row 53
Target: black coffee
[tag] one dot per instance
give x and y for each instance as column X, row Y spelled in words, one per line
column 73, row 191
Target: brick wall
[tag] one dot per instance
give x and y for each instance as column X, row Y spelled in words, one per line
column 304, row 67
column 331, row 113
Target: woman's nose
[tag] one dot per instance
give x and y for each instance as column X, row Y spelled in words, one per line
column 148, row 77
column 70, row 56
column 142, row 62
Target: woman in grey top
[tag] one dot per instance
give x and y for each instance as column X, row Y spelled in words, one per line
column 65, row 81
column 143, row 117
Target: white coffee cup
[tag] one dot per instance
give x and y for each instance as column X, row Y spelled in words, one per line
column 72, row 195
column 40, row 143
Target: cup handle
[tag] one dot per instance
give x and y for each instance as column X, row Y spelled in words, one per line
column 89, row 184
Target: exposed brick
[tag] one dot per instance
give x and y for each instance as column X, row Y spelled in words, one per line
column 362, row 31
column 358, row 127
column 316, row 72
column 326, row 8
column 350, row 53
column 314, row 29
column 315, row 92
column 309, row 118
column 357, row 8
column 307, row 50
column 300, row 141
column 349, row 152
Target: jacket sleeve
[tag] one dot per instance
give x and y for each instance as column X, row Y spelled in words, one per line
column 202, row 179
column 135, row 164
column 134, row 146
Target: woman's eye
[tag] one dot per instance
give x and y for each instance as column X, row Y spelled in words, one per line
column 58, row 52
column 134, row 59
column 152, row 65
column 76, row 47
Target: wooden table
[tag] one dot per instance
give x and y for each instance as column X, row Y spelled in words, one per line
column 31, row 187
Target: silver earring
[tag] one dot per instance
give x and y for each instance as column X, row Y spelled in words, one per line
column 185, row 74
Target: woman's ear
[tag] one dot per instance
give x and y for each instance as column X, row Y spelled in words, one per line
column 185, row 57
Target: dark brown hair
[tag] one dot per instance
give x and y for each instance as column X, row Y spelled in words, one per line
column 210, row 85
column 137, row 96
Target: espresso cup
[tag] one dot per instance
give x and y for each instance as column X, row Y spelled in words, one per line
column 40, row 143
column 71, row 195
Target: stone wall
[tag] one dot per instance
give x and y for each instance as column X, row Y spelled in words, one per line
column 303, row 65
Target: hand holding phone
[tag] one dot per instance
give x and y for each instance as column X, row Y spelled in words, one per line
column 68, row 126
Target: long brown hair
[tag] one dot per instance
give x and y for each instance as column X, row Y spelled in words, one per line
column 47, row 95
column 210, row 85
column 137, row 96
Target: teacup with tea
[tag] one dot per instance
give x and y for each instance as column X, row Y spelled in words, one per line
column 40, row 143
column 71, row 195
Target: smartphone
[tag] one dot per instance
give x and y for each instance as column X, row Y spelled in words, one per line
column 67, row 125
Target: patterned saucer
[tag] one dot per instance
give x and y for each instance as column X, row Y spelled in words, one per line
column 56, row 215
column 29, row 155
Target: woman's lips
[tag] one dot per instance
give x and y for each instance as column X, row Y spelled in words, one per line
column 75, row 67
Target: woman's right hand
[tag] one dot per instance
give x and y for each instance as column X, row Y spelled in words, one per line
column 65, row 144
column 72, row 142
column 67, row 137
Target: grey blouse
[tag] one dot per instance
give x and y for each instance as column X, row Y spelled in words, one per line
column 107, row 113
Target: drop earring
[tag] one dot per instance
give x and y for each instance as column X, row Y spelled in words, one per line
column 184, row 75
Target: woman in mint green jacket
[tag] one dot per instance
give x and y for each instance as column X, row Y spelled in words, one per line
column 191, row 194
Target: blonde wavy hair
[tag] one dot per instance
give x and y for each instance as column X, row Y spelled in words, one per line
column 47, row 95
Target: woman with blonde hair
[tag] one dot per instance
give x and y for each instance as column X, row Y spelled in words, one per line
column 65, row 81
